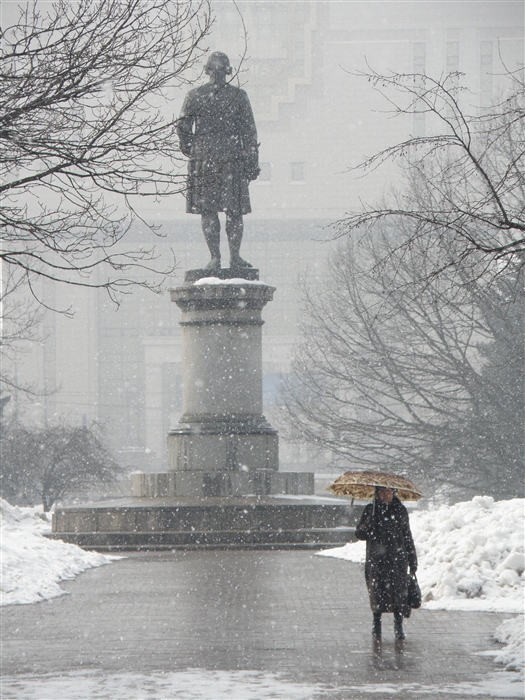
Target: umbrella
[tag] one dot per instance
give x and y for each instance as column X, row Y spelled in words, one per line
column 362, row 485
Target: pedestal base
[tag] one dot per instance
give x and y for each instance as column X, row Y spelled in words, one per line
column 221, row 483
column 190, row 450
column 209, row 523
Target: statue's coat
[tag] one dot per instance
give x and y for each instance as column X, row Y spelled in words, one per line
column 217, row 133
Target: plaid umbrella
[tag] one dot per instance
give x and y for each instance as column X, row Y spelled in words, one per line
column 362, row 485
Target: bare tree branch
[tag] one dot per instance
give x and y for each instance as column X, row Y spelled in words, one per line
column 393, row 370
column 86, row 127
column 465, row 180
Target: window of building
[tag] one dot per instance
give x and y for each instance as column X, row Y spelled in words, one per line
column 452, row 67
column 452, row 56
column 419, row 63
column 486, row 73
column 297, row 172
column 264, row 21
column 228, row 22
column 419, row 57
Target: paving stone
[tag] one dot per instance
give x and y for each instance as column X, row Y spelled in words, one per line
column 284, row 612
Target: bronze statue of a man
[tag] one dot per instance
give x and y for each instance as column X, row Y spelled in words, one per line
column 217, row 133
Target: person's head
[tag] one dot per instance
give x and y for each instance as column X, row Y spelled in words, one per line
column 218, row 66
column 385, row 495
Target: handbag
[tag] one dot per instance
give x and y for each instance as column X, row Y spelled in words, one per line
column 414, row 593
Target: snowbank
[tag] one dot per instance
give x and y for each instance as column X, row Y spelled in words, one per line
column 511, row 633
column 472, row 553
column 32, row 565
column 471, row 557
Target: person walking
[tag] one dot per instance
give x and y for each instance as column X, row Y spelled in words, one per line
column 390, row 551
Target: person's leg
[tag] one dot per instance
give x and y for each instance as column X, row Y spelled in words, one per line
column 234, row 231
column 376, row 629
column 398, row 625
column 211, row 227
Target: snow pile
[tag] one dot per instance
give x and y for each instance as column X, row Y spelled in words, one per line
column 471, row 557
column 32, row 565
column 473, row 552
column 511, row 633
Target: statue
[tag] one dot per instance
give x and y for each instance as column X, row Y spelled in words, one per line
column 217, row 133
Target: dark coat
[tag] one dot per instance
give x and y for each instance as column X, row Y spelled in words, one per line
column 390, row 552
column 217, row 133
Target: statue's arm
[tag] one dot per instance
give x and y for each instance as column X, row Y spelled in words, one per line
column 185, row 126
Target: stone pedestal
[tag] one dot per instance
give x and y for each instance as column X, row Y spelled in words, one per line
column 223, row 445
column 222, row 488
column 222, row 426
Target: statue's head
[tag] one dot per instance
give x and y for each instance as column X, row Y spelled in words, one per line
column 218, row 62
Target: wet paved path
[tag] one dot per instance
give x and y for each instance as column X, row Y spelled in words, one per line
column 282, row 612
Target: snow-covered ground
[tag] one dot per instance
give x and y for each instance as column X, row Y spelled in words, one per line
column 202, row 684
column 471, row 557
column 193, row 684
column 33, row 566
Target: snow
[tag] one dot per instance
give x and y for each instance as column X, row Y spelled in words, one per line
column 511, row 633
column 202, row 684
column 233, row 280
column 471, row 557
column 193, row 684
column 33, row 566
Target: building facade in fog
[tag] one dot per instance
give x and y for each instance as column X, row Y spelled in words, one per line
column 316, row 119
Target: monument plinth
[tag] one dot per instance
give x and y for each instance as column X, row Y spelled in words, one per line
column 223, row 444
column 222, row 487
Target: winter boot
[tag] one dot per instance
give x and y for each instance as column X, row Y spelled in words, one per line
column 376, row 629
column 398, row 626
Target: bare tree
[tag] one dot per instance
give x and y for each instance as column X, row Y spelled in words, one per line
column 465, row 180
column 86, row 127
column 47, row 464
column 424, row 378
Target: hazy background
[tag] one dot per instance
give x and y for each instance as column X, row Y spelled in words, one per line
column 315, row 120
